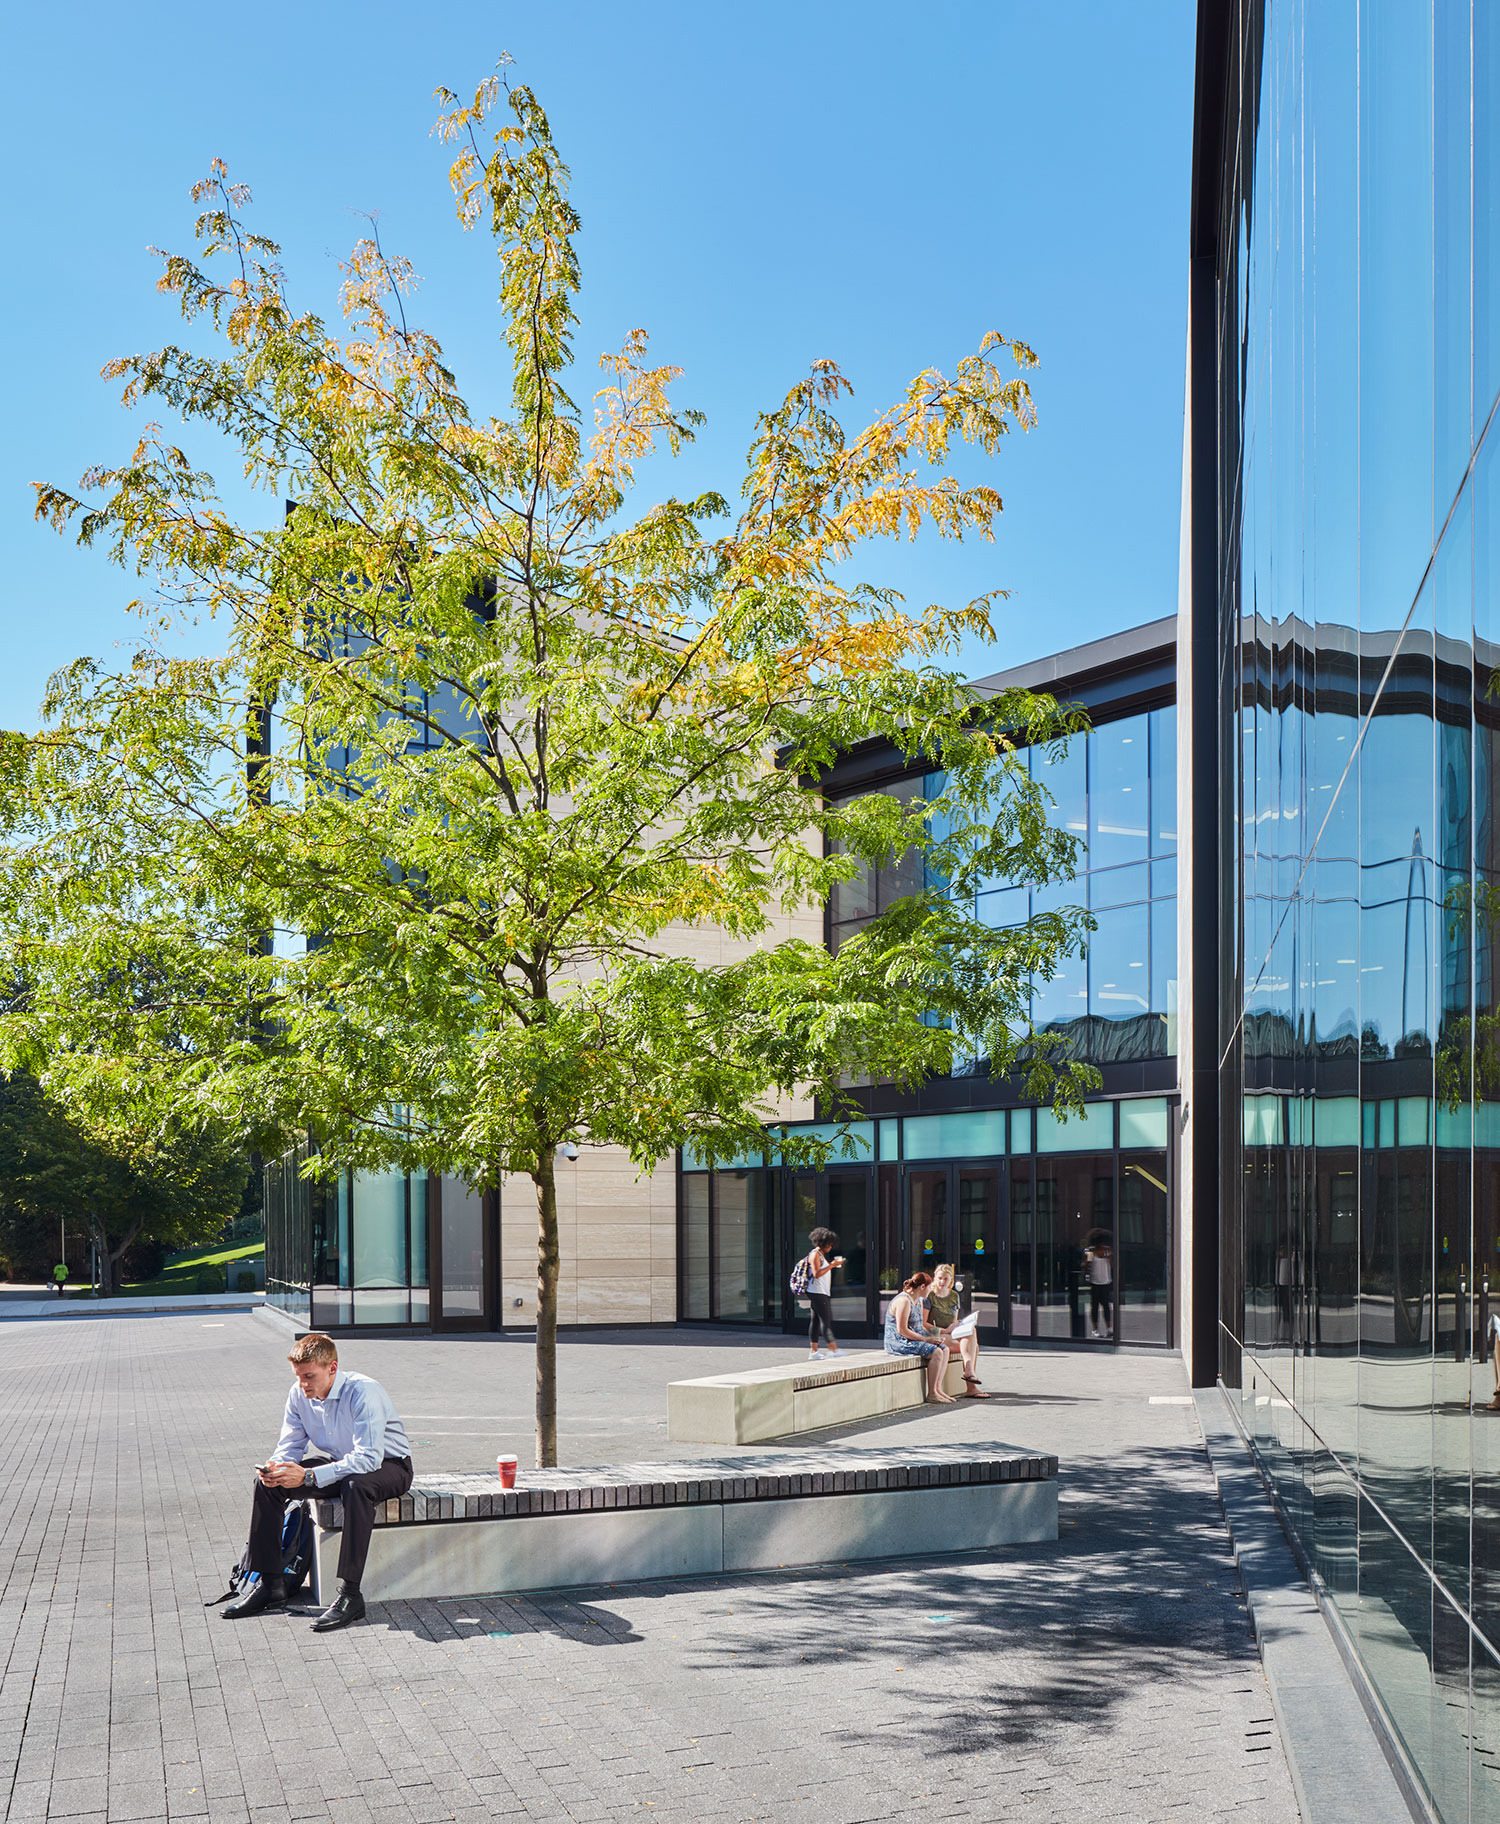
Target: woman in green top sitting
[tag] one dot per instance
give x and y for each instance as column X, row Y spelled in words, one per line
column 942, row 1315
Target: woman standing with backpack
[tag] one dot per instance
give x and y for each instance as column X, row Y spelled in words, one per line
column 819, row 1266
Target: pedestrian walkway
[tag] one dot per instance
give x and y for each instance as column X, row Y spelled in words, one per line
column 1111, row 1676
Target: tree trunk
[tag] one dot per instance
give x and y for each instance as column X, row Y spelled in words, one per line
column 106, row 1261
column 546, row 1313
column 109, row 1259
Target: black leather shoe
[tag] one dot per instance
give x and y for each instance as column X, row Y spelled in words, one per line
column 340, row 1612
column 260, row 1599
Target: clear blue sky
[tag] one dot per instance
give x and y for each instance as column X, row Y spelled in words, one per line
column 760, row 186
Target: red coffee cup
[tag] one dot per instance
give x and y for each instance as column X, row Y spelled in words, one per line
column 507, row 1468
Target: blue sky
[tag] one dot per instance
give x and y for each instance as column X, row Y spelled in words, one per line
column 759, row 186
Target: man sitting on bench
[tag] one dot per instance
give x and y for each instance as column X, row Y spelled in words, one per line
column 363, row 1458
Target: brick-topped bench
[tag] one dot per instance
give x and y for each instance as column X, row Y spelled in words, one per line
column 466, row 1536
column 755, row 1404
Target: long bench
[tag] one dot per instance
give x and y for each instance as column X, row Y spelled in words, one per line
column 466, row 1536
column 757, row 1404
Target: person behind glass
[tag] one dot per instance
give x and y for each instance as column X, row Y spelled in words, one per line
column 820, row 1265
column 1099, row 1262
column 906, row 1334
column 942, row 1315
column 363, row 1459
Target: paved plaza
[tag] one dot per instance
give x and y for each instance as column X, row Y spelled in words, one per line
column 1109, row 1676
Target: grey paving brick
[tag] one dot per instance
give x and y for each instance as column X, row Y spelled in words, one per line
column 1111, row 1675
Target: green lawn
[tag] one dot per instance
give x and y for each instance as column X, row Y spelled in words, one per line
column 213, row 1256
column 200, row 1270
column 203, row 1270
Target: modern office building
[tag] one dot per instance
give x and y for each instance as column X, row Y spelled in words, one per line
column 960, row 1170
column 1341, row 652
column 1290, row 811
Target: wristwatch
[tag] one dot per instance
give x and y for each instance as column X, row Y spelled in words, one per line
column 309, row 1480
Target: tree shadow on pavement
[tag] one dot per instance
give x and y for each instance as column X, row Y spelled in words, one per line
column 1140, row 1589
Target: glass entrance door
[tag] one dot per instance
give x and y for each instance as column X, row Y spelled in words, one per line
column 459, row 1277
column 981, row 1237
column 955, row 1213
column 928, row 1233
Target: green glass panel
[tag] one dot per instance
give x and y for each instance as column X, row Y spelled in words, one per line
column 963, row 1136
column 1144, row 1122
column 1455, row 1126
column 1263, row 1122
column 1336, row 1121
column 1090, row 1130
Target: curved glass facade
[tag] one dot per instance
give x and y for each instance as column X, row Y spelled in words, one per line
column 1357, row 290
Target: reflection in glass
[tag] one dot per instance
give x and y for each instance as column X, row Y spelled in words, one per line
column 1021, row 1239
column 739, row 1268
column 1144, row 1251
column 1119, row 791
column 849, row 1216
column 694, row 1244
column 1360, row 617
column 462, row 1224
column 978, row 1244
column 380, row 1250
column 1074, row 1215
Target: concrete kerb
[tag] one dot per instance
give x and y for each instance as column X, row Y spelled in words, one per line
column 1347, row 1766
column 30, row 1311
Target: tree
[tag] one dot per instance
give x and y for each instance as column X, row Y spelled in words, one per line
column 51, row 1171
column 522, row 739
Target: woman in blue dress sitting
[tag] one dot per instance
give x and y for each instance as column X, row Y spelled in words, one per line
column 907, row 1334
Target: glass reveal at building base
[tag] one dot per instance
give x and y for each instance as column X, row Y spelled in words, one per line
column 1345, row 604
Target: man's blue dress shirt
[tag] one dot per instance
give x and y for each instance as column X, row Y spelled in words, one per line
column 356, row 1425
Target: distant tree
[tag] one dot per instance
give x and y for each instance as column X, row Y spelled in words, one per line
column 178, row 1193
column 522, row 741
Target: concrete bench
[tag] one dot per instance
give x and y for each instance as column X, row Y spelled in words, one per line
column 761, row 1403
column 466, row 1536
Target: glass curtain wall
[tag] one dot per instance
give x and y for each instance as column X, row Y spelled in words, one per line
column 1068, row 1222
column 1116, row 791
column 350, row 1252
column 1359, row 361
column 289, row 1236
column 729, row 1243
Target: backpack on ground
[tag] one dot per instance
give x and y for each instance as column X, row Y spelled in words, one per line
column 801, row 1277
column 296, row 1556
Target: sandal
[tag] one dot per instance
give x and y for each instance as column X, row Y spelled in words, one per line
column 974, row 1389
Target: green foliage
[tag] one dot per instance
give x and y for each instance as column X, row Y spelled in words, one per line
column 526, row 747
column 51, row 1172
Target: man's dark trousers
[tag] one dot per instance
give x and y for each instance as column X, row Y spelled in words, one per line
column 360, row 1495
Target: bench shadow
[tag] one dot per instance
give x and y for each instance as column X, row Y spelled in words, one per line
column 911, row 1419
column 573, row 1614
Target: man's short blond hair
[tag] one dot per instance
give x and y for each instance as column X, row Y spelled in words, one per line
column 314, row 1347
